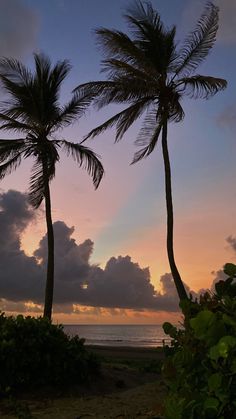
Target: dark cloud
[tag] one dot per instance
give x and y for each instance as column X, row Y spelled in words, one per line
column 71, row 260
column 121, row 284
column 18, row 29
column 232, row 241
column 20, row 275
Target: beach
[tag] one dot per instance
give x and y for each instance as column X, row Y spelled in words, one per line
column 126, row 352
column 129, row 386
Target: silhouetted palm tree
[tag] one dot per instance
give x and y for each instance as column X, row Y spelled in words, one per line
column 151, row 75
column 33, row 109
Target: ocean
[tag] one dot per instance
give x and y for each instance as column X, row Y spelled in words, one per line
column 120, row 335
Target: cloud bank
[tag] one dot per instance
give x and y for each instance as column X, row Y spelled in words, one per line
column 122, row 284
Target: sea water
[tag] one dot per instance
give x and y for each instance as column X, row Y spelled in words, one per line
column 120, row 335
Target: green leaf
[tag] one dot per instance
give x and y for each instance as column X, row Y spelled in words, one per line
column 214, row 353
column 230, row 269
column 228, row 320
column 202, row 322
column 214, row 381
column 230, row 341
column 222, row 348
column 211, row 403
column 169, row 329
column 174, row 407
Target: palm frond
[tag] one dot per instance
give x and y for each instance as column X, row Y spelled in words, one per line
column 15, row 71
column 118, row 45
column 43, row 171
column 17, row 81
column 33, row 98
column 151, row 121
column 146, row 151
column 58, row 73
column 138, row 14
column 123, row 120
column 10, row 165
column 175, row 110
column 130, row 115
column 42, row 67
column 117, row 68
column 73, row 110
column 199, row 42
column 92, row 89
column 11, row 148
column 37, row 185
column 86, row 158
column 120, row 90
column 202, row 86
column 13, row 124
column 151, row 37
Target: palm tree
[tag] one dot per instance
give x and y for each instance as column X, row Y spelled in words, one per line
column 33, row 109
column 149, row 73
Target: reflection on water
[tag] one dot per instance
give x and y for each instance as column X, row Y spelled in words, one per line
column 120, row 335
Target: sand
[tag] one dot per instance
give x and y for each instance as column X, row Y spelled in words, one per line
column 125, row 389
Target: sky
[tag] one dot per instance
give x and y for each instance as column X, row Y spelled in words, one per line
column 111, row 260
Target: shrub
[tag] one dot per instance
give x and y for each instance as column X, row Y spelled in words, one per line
column 35, row 352
column 200, row 370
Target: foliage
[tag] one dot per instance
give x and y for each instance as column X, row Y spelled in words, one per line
column 35, row 352
column 200, row 370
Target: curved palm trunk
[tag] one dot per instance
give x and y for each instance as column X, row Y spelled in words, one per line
column 50, row 264
column 170, row 221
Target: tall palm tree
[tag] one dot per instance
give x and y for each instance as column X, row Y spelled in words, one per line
column 32, row 108
column 148, row 72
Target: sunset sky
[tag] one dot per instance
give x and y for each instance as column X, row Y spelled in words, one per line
column 106, row 239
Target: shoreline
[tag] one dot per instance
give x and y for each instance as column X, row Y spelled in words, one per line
column 127, row 351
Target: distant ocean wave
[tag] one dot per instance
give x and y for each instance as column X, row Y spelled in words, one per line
column 120, row 335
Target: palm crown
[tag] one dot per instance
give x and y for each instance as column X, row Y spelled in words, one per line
column 148, row 72
column 32, row 108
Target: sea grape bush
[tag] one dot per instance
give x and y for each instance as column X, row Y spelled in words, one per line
column 35, row 352
column 200, row 367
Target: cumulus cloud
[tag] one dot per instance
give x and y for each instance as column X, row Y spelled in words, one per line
column 122, row 284
column 220, row 275
column 232, row 241
column 20, row 275
column 18, row 28
column 71, row 260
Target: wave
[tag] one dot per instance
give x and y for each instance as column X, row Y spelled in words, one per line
column 120, row 335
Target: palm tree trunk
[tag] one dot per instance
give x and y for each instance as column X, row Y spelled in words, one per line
column 50, row 263
column 170, row 220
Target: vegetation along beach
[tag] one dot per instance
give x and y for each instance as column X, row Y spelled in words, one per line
column 117, row 209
